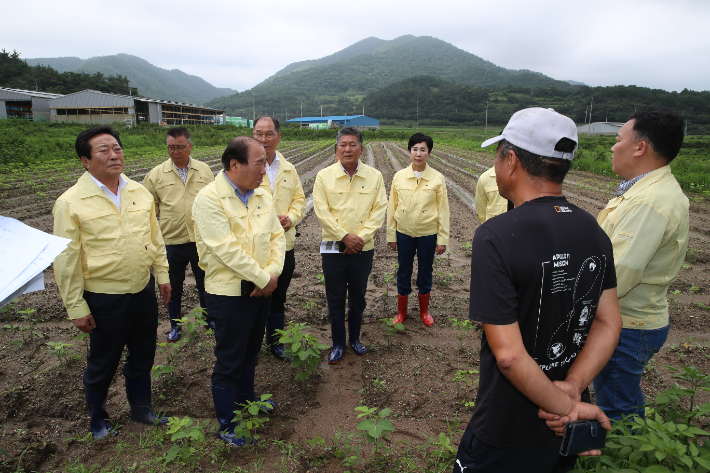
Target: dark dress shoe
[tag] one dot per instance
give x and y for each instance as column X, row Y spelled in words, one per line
column 174, row 335
column 358, row 348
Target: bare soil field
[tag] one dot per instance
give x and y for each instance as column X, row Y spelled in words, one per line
column 424, row 375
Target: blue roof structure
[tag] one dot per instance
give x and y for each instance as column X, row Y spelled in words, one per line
column 350, row 120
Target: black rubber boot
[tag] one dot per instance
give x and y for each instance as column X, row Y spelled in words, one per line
column 174, row 313
column 354, row 325
column 275, row 322
column 138, row 394
column 245, row 387
column 337, row 330
column 203, row 304
column 99, row 423
column 224, row 398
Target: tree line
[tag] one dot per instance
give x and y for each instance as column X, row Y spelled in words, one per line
column 445, row 103
column 17, row 74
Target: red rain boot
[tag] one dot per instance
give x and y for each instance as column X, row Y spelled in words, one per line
column 424, row 310
column 402, row 307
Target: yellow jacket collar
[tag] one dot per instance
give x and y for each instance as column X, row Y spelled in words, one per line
column 87, row 188
column 425, row 175
column 225, row 189
column 651, row 178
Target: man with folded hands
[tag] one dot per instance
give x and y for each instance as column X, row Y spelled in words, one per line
column 241, row 246
column 544, row 287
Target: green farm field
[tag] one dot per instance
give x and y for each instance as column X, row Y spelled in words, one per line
column 421, row 380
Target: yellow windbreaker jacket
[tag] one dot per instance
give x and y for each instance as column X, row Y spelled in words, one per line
column 489, row 202
column 345, row 205
column 173, row 199
column 111, row 252
column 288, row 196
column 648, row 228
column 236, row 242
column 418, row 208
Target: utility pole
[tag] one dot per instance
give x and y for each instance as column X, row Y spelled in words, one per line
column 345, row 119
column 321, row 110
column 417, row 114
column 589, row 127
column 586, row 111
column 363, row 106
column 301, row 99
column 486, row 132
column 607, row 116
column 253, row 107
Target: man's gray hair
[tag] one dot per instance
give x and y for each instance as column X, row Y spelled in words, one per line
column 348, row 131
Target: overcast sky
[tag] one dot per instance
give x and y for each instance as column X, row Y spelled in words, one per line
column 661, row 44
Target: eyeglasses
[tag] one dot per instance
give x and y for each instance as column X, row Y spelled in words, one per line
column 269, row 136
column 177, row 147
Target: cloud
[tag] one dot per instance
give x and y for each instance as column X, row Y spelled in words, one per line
column 650, row 43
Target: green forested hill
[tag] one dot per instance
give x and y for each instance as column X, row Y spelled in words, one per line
column 17, row 74
column 60, row 64
column 364, row 46
column 371, row 65
column 446, row 103
column 152, row 81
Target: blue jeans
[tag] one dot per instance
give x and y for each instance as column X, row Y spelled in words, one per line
column 424, row 247
column 618, row 386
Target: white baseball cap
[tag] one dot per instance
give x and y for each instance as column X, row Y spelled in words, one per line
column 538, row 130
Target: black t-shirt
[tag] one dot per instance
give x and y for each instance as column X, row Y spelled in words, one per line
column 543, row 265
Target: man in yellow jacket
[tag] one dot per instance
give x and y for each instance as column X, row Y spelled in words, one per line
column 283, row 184
column 104, row 275
column 489, row 202
column 350, row 202
column 241, row 245
column 648, row 226
column 174, row 185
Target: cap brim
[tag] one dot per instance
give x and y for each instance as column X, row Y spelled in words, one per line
column 490, row 141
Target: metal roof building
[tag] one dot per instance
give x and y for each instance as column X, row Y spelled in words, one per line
column 358, row 121
column 92, row 106
column 599, row 128
column 27, row 104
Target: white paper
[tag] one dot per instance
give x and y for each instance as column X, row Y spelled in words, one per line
column 330, row 247
column 36, row 284
column 25, row 252
column 18, row 250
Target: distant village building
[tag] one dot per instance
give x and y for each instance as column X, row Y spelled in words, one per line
column 92, row 106
column 599, row 128
column 27, row 104
column 361, row 122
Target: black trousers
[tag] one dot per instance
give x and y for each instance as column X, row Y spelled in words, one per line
column 346, row 275
column 178, row 258
column 475, row 456
column 278, row 297
column 122, row 320
column 241, row 322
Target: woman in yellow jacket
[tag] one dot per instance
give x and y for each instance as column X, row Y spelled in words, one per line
column 417, row 223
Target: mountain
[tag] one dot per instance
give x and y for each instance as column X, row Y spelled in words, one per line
column 339, row 81
column 367, row 45
column 59, row 64
column 15, row 73
column 151, row 81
